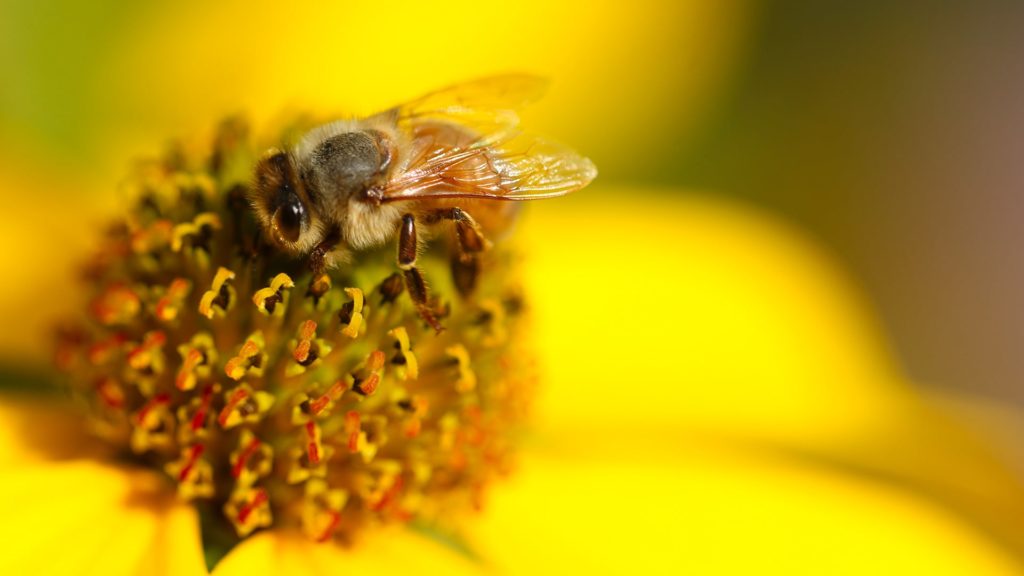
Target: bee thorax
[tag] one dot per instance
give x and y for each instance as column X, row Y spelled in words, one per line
column 340, row 166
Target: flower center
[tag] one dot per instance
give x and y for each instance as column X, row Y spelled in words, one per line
column 324, row 404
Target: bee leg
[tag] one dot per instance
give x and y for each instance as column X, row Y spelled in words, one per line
column 407, row 249
column 465, row 264
column 471, row 239
column 318, row 256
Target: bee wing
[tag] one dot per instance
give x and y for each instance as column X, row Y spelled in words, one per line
column 465, row 143
column 487, row 105
column 507, row 167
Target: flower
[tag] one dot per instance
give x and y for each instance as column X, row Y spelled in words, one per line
column 274, row 398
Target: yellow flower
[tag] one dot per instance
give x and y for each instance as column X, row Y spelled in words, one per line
column 723, row 404
column 716, row 397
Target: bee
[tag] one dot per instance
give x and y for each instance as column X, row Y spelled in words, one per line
column 453, row 156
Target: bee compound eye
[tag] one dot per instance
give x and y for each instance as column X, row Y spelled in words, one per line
column 288, row 219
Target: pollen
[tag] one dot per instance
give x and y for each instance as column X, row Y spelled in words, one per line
column 280, row 400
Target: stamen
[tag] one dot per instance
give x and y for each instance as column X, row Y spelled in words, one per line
column 168, row 306
column 154, row 425
column 110, row 392
column 308, row 458
column 152, row 238
column 321, row 514
column 313, row 446
column 307, row 331
column 318, row 406
column 404, row 357
column 197, row 358
column 366, row 377
column 248, row 509
column 274, row 299
column 194, row 419
column 249, row 360
column 351, row 314
column 353, row 431
column 221, row 295
column 252, row 459
column 194, row 474
column 104, row 351
column 194, row 230
column 493, row 320
column 244, row 405
column 467, row 379
column 118, row 304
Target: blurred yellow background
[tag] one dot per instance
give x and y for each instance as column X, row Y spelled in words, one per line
column 785, row 238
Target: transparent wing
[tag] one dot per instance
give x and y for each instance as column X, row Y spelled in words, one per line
column 488, row 105
column 450, row 162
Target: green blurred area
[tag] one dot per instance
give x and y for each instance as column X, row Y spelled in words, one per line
column 51, row 99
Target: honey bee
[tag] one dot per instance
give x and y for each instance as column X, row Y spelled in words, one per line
column 456, row 155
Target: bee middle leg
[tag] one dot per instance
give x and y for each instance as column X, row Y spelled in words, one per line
column 465, row 263
column 408, row 247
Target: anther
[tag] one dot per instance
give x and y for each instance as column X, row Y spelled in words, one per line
column 221, row 295
column 351, row 314
column 168, row 306
column 153, row 425
column 404, row 356
column 321, row 405
column 194, row 418
column 313, row 446
column 273, row 299
column 248, row 510
column 466, row 380
column 110, row 392
column 197, row 358
column 352, row 430
column 249, row 360
column 252, row 459
column 101, row 352
column 308, row 459
column 193, row 473
column 366, row 377
column 321, row 514
column 243, row 405
column 308, row 349
column 493, row 320
column 153, row 237
column 118, row 304
column 197, row 231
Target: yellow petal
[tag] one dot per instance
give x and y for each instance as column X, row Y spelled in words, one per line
column 704, row 512
column 176, row 550
column 80, row 516
column 665, row 309
column 387, row 551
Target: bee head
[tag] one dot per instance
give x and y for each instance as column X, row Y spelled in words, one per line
column 278, row 201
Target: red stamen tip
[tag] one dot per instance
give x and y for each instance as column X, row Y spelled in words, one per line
column 258, row 499
column 236, row 397
column 243, row 458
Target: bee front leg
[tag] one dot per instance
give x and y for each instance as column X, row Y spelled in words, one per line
column 318, row 256
column 408, row 248
column 465, row 264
